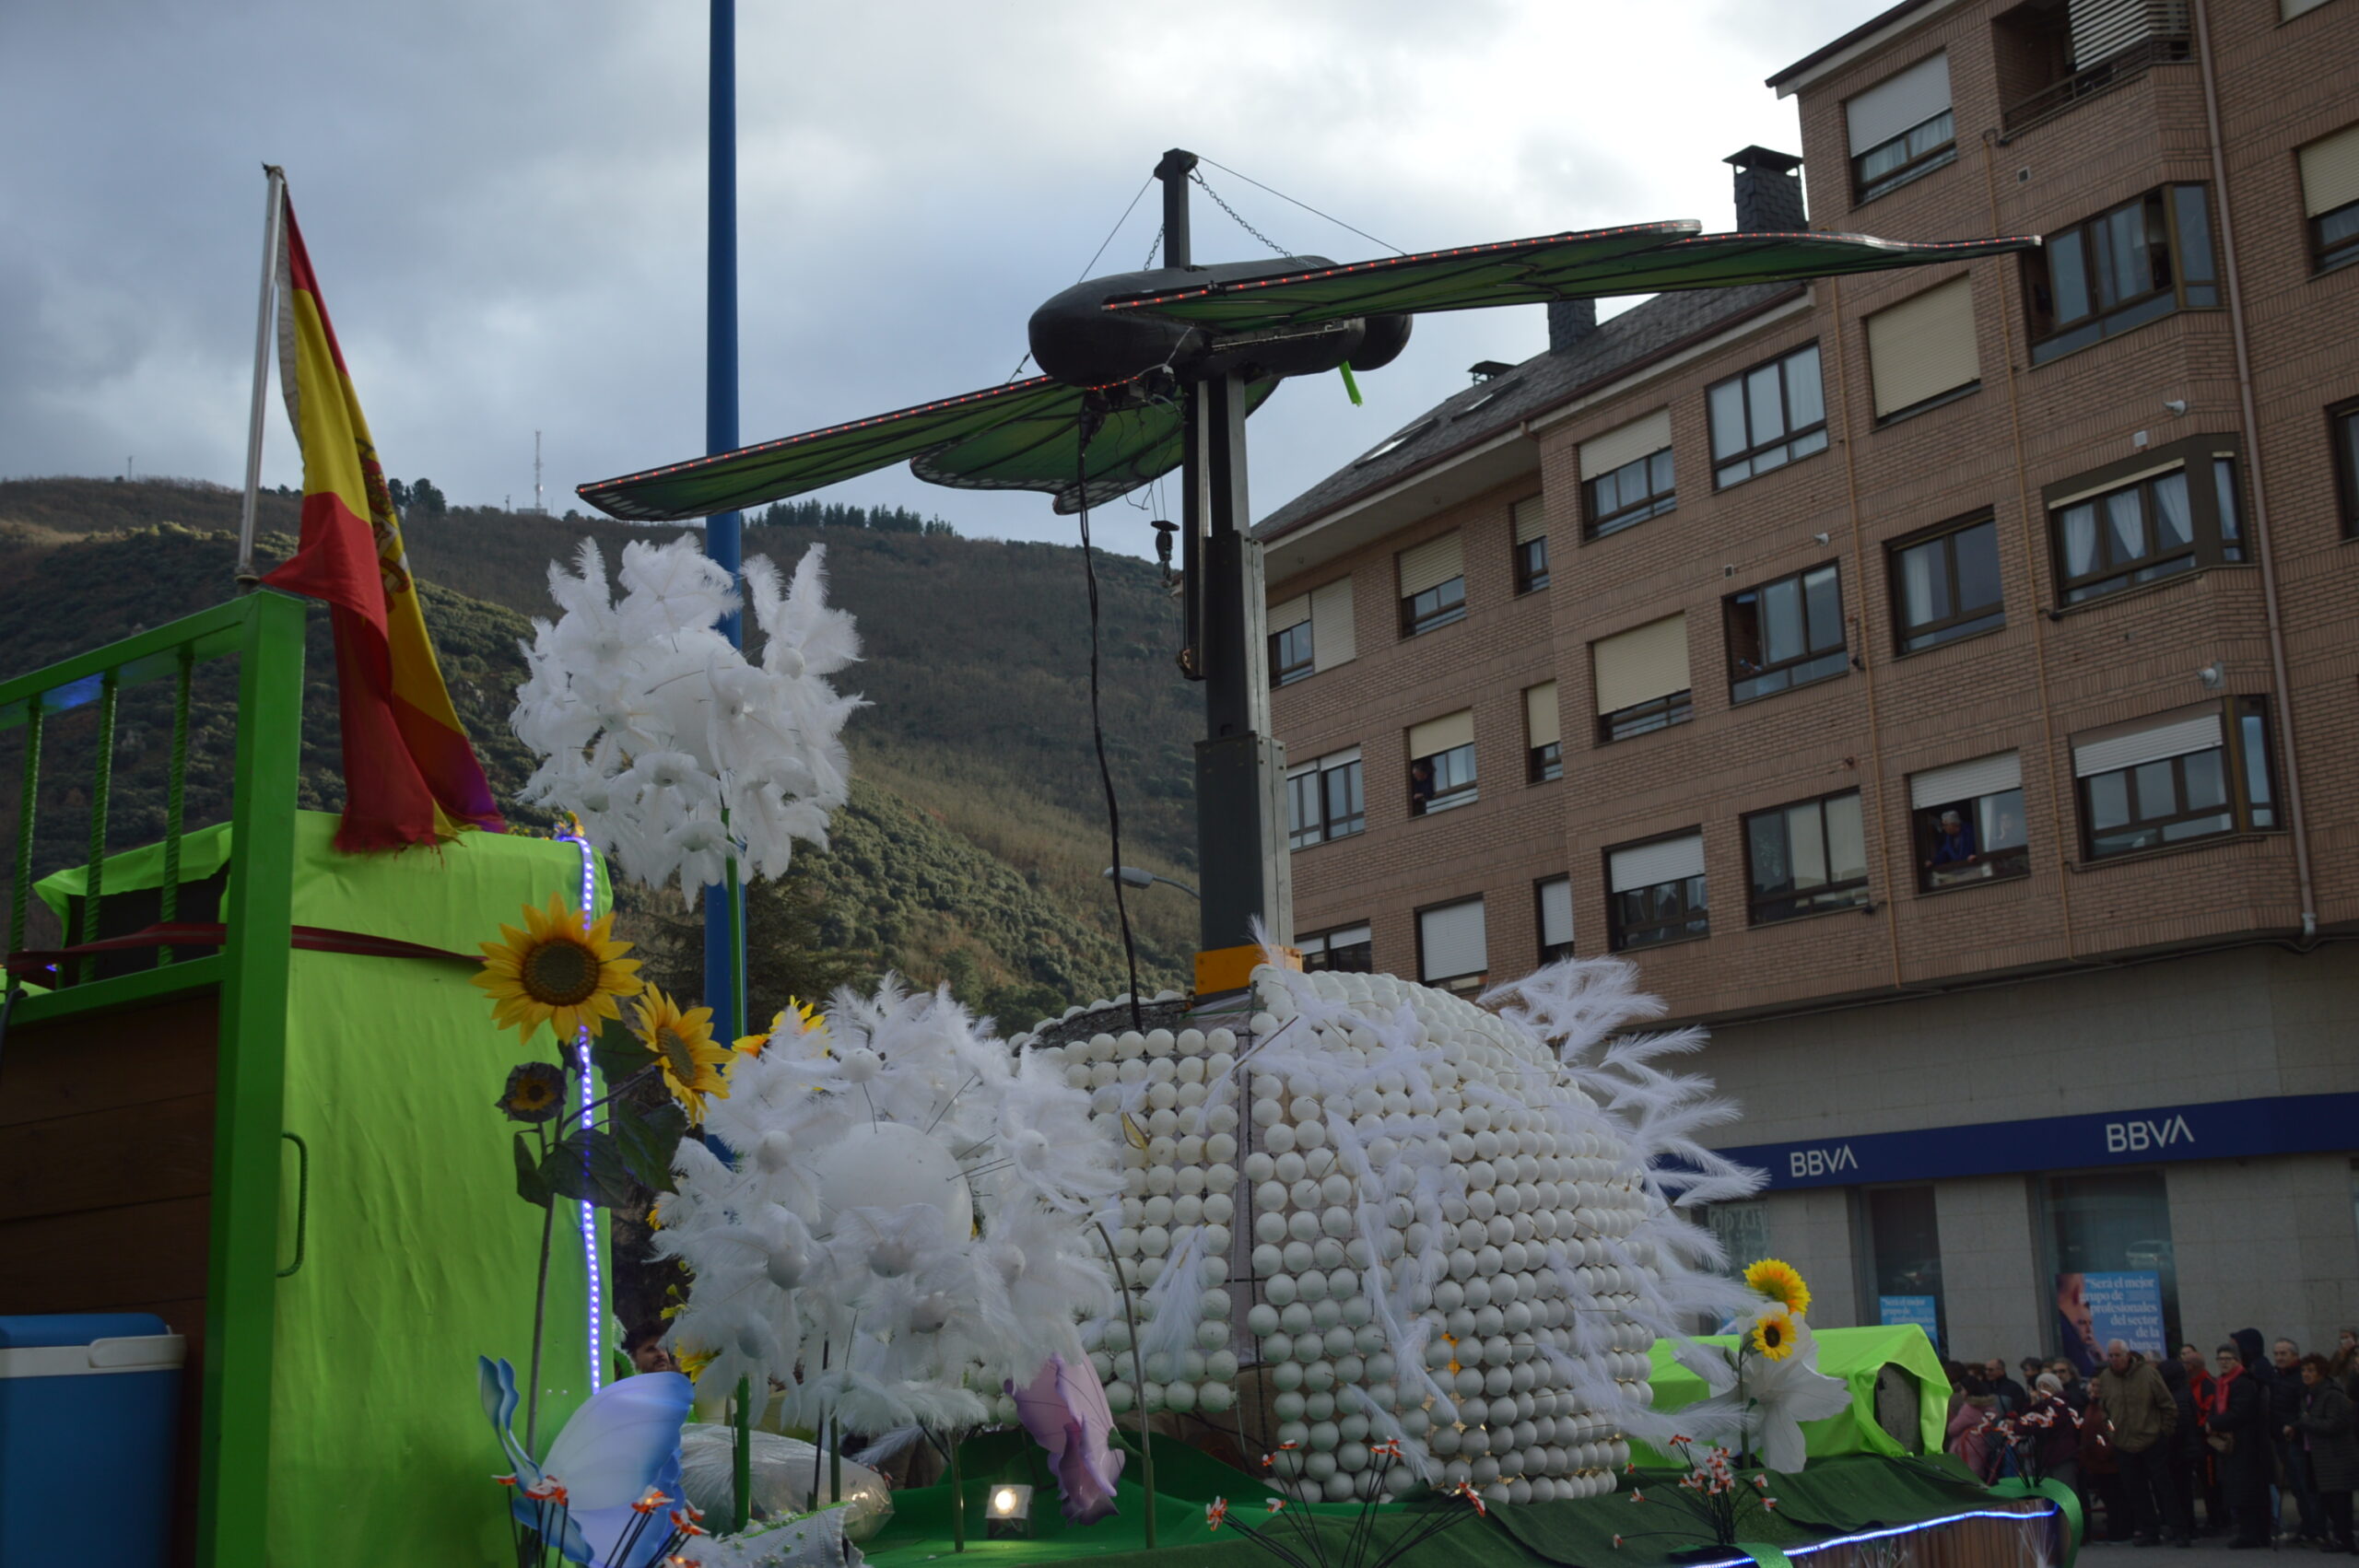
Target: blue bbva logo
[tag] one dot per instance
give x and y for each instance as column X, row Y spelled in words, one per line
column 2135, row 1137
column 1804, row 1162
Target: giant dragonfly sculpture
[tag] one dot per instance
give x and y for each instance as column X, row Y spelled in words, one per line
column 1143, row 372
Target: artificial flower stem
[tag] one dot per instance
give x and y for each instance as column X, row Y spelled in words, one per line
column 958, row 1499
column 742, row 1462
column 540, row 1311
column 1138, row 1383
column 835, row 1457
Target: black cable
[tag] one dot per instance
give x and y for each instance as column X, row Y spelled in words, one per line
column 1098, row 729
column 1305, row 206
column 1116, row 229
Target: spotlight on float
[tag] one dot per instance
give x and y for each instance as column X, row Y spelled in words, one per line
column 1008, row 1514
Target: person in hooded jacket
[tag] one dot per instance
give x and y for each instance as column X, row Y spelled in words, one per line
column 2323, row 1432
column 2237, row 1428
column 2186, row 1442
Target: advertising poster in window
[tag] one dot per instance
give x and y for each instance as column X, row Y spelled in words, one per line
column 2094, row 1308
column 1923, row 1311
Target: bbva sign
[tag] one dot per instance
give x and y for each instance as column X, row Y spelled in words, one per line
column 2135, row 1137
column 1806, row 1162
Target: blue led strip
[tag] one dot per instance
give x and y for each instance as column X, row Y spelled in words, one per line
column 589, row 1123
column 1833, row 1541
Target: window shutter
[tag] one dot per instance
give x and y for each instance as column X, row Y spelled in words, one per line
column 1923, row 346
column 1438, row 735
column 1647, row 865
column 1540, row 714
column 2149, row 741
column 1641, row 664
column 1530, row 520
column 1895, row 104
column 1332, row 638
column 2288, row 9
column 1349, row 936
column 1434, row 562
column 1452, row 940
column 2102, row 29
column 1290, row 613
column 1965, row 781
column 2331, row 172
column 1640, row 437
column 1556, row 912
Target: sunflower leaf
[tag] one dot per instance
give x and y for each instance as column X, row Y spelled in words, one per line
column 618, row 1052
column 646, row 1137
column 529, row 1185
column 585, row 1165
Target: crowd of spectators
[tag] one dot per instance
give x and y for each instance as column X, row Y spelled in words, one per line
column 2260, row 1446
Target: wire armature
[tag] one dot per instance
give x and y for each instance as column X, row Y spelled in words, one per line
column 1098, row 728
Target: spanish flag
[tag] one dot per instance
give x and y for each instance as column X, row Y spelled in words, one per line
column 410, row 775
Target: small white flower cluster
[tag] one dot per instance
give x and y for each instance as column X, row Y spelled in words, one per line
column 677, row 753
column 909, row 1221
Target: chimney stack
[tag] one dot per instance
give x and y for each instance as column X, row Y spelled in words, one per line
column 1569, row 321
column 1769, row 192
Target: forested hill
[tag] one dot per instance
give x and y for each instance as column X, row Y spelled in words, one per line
column 973, row 848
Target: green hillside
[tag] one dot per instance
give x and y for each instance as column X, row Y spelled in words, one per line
column 969, row 850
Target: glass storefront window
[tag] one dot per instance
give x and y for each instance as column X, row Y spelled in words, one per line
column 1904, row 1257
column 2112, row 1270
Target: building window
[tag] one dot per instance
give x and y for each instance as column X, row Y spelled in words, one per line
column 1553, row 896
column 1656, row 891
column 1922, row 352
column 1945, row 586
column 1441, row 763
column 1291, row 655
column 1627, row 475
column 2165, row 517
column 1900, row 129
column 2192, row 775
column 2137, row 263
column 1766, row 417
column 1641, row 677
column 1324, row 799
column 1806, row 858
column 1452, row 951
column 1347, row 948
column 2331, row 198
column 2111, row 1265
column 1969, row 821
column 1787, row 633
column 2342, row 429
column 1433, row 585
column 1904, row 1257
column 1530, row 546
column 1544, row 757
column 1312, row 632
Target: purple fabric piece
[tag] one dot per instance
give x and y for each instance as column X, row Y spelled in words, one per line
column 1064, row 1410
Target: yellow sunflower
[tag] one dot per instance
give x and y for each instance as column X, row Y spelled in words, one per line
column 553, row 973
column 682, row 1043
column 1773, row 1335
column 807, row 1019
column 1782, row 1283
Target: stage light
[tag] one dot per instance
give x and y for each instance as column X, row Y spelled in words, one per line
column 1008, row 1514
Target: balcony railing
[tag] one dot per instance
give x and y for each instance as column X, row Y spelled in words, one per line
column 2115, row 70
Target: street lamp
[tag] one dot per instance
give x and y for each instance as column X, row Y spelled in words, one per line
column 1138, row 876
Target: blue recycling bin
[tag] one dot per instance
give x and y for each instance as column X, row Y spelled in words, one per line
column 88, row 1405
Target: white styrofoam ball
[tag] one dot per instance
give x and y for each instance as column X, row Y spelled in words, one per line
column 1294, row 1318
column 1268, row 1227
column 1278, row 1289
column 1118, row 1397
column 1212, row 1333
column 1220, row 1148
column 1285, row 1371
column 1303, row 1225
column 1262, row 1318
column 1215, row 1397
column 1217, row 1207
column 1220, row 1178
column 1290, row 1167
column 1277, row 1136
column 1186, row 1209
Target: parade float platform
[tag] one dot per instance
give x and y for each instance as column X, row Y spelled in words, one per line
column 1851, row 1511
column 290, row 1154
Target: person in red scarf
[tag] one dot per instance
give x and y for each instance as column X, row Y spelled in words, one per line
column 2236, row 1427
column 2203, row 1476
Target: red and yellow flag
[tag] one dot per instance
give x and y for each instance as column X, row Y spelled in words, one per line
column 410, row 775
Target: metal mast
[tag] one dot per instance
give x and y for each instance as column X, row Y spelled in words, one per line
column 725, row 906
column 1241, row 769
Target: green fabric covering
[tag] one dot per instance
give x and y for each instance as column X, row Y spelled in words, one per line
column 1833, row 1497
column 418, row 1254
column 1854, row 1355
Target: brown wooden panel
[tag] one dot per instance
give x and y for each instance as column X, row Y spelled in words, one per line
column 186, row 1318
column 104, row 1261
column 104, row 1159
column 104, row 1061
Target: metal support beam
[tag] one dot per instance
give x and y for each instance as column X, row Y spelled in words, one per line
column 725, row 906
column 1241, row 769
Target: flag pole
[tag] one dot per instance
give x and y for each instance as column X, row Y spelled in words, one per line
column 724, row 906
column 265, row 321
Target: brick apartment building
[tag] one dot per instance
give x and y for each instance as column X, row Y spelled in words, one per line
column 1943, row 684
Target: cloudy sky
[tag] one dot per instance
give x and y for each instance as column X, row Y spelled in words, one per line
column 505, row 204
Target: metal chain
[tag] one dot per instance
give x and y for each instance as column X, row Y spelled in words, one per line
column 1197, row 175
column 1148, row 265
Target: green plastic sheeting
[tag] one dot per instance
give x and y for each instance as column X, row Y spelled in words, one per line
column 418, row 1255
column 202, row 853
column 1854, row 1355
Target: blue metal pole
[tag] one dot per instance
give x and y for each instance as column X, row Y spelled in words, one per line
column 724, row 535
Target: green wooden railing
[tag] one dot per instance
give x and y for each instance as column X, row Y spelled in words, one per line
column 264, row 632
